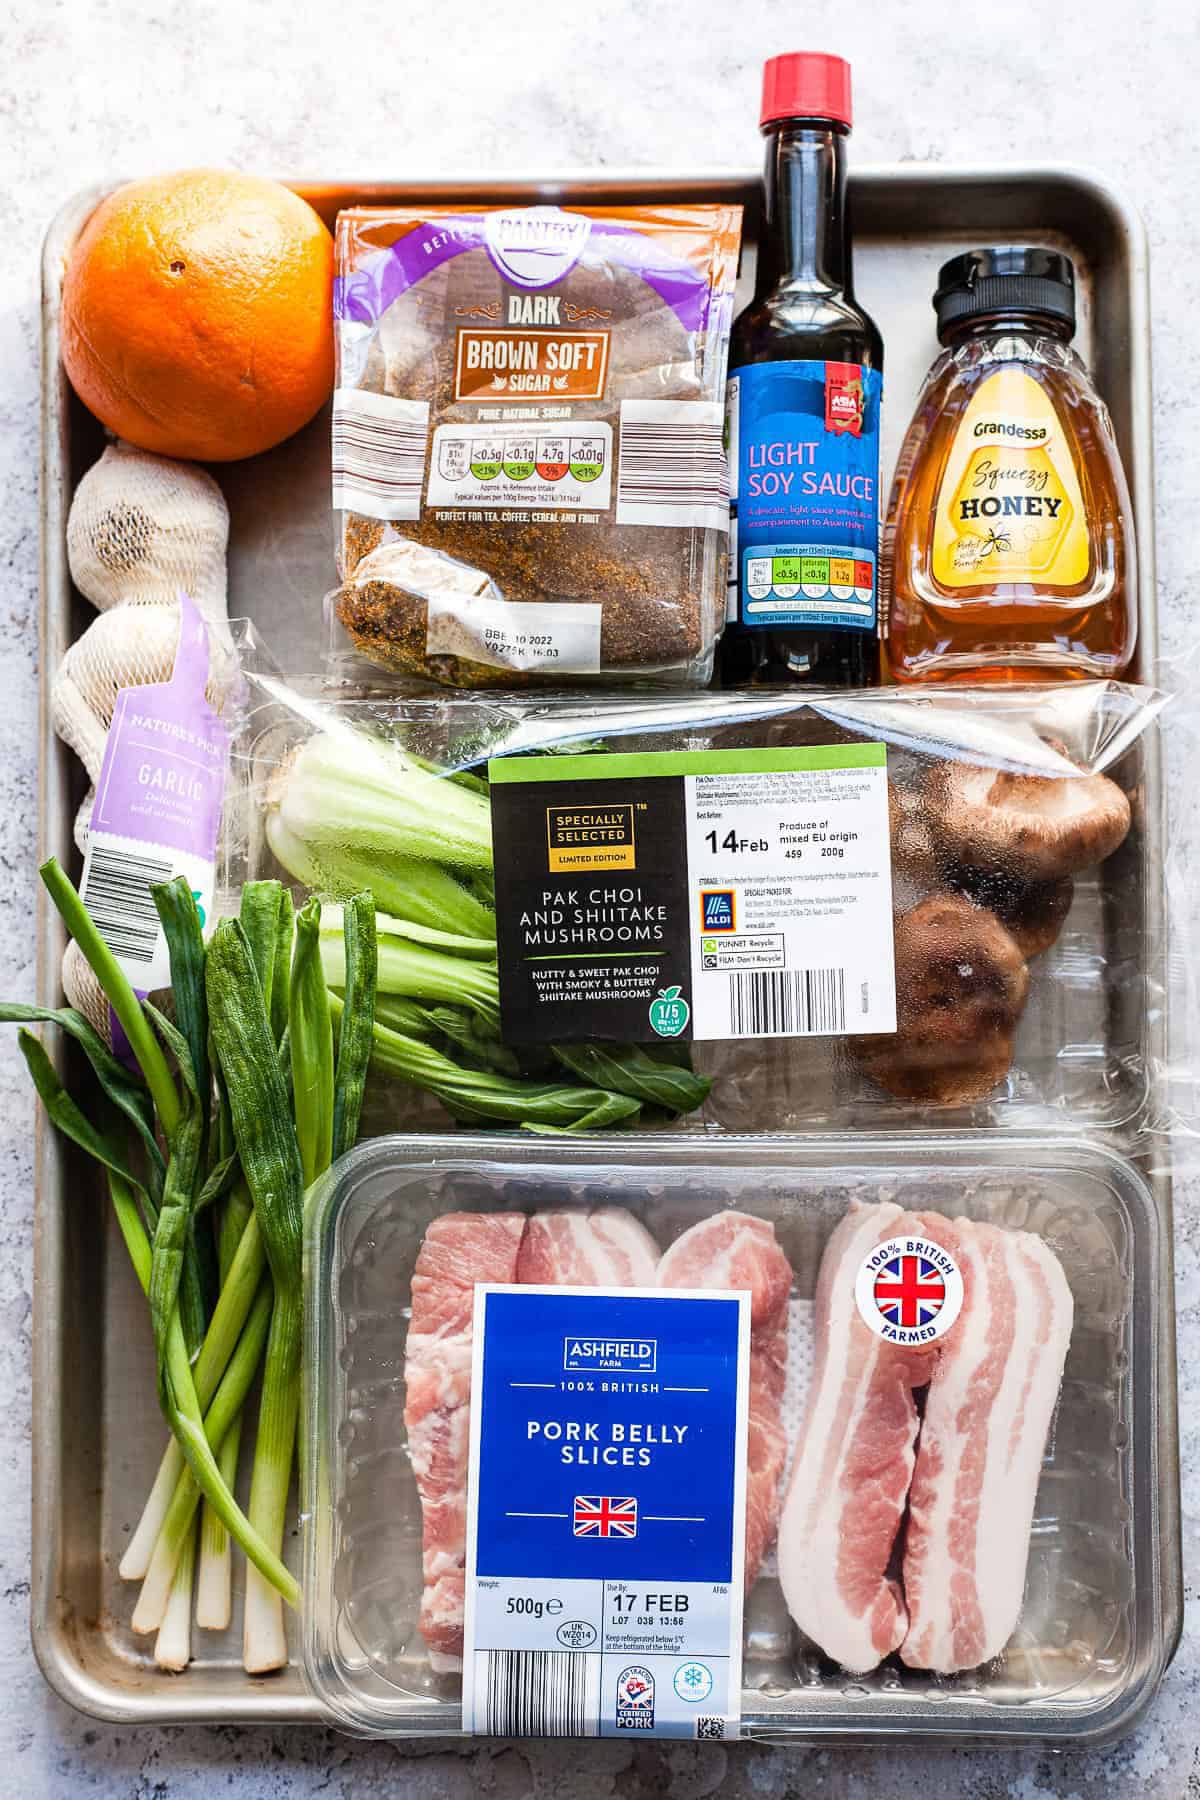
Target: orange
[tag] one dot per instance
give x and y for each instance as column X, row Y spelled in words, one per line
column 197, row 314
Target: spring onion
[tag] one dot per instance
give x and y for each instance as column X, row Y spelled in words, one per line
column 253, row 1031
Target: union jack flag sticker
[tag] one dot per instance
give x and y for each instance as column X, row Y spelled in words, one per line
column 602, row 1515
column 909, row 1291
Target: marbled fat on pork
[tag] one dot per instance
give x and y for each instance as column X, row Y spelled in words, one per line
column 853, row 1464
column 733, row 1251
column 604, row 1248
column 458, row 1251
column 987, row 1413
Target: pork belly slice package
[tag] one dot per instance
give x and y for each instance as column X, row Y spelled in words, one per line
column 855, row 911
column 787, row 1438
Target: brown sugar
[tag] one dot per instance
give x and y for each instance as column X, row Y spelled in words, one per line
column 533, row 447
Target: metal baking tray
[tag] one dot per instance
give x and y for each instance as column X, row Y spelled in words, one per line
column 96, row 1432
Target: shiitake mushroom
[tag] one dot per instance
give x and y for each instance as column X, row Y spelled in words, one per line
column 961, row 986
column 1032, row 912
column 1011, row 842
column 1031, row 828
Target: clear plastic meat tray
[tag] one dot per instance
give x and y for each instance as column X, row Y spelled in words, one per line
column 1100, row 1607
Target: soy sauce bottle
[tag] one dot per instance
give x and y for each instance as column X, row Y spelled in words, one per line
column 806, row 373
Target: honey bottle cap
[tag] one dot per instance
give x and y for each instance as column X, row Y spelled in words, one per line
column 1005, row 278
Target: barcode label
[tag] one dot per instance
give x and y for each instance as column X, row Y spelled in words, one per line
column 671, row 467
column 118, row 873
column 534, row 1693
column 787, row 1003
column 116, row 892
column 379, row 454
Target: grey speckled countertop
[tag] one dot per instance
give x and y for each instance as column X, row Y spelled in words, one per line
column 119, row 87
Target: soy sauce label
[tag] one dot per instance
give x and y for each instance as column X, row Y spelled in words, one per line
column 804, row 449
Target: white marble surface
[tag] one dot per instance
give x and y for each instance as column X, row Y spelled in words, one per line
column 94, row 89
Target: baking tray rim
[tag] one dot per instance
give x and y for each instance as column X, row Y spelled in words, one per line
column 246, row 1699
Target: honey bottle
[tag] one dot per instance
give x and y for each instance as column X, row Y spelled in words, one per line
column 1008, row 550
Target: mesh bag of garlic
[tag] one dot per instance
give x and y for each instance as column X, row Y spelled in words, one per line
column 142, row 530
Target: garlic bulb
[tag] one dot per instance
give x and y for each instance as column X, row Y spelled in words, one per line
column 142, row 527
column 83, row 991
column 83, row 821
column 131, row 646
column 141, row 531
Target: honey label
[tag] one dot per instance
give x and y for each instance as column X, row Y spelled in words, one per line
column 1009, row 508
column 560, row 365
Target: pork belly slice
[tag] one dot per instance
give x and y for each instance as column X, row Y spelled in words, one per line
column 854, row 1458
column 733, row 1251
column 987, row 1414
column 458, row 1251
column 604, row 1248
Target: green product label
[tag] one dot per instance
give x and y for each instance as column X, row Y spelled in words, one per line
column 669, row 1013
column 654, row 764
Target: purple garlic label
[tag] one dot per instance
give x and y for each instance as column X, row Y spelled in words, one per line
column 158, row 807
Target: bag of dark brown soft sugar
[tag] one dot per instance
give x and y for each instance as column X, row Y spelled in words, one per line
column 528, row 461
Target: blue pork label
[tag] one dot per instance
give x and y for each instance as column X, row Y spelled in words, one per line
column 606, row 1513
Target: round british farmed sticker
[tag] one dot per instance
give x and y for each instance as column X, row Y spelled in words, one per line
column 909, row 1290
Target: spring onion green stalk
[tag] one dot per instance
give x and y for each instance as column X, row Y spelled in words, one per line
column 119, row 1085
column 173, row 1648
column 219, row 1420
column 275, row 1175
column 266, row 917
column 120, row 995
column 270, row 1047
column 229, row 1316
column 177, row 1391
column 182, row 1122
column 214, row 1577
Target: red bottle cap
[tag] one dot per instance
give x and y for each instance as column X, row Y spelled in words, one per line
column 805, row 84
